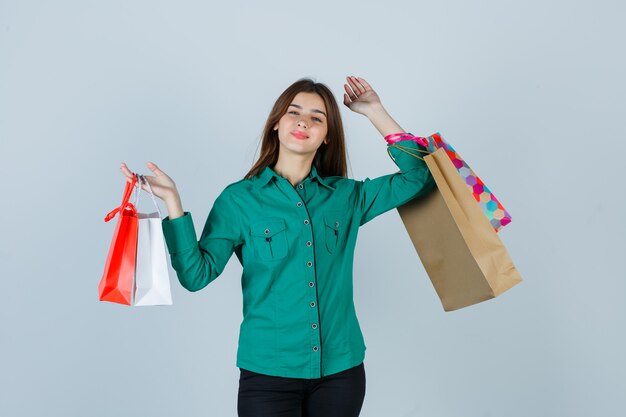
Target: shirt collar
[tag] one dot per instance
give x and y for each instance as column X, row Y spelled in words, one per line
column 265, row 176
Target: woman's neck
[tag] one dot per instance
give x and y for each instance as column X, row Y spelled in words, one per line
column 293, row 169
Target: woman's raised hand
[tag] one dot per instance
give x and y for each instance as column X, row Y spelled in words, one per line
column 162, row 185
column 360, row 97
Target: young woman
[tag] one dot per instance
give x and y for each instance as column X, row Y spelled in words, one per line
column 292, row 221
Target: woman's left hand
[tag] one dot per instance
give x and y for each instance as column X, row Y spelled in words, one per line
column 360, row 98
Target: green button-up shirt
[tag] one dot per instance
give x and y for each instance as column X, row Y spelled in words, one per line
column 296, row 246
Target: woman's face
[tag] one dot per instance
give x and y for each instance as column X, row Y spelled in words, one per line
column 303, row 128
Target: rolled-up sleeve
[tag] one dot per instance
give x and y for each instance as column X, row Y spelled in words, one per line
column 381, row 194
column 198, row 263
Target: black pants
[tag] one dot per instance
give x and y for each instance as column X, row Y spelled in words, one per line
column 337, row 395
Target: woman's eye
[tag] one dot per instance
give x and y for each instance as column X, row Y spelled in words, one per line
column 315, row 118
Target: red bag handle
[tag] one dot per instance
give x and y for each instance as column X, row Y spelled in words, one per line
column 127, row 192
column 397, row 137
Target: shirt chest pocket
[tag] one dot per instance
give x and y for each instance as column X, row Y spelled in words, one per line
column 269, row 238
column 334, row 228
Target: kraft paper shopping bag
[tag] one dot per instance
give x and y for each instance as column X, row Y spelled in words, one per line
column 491, row 206
column 458, row 246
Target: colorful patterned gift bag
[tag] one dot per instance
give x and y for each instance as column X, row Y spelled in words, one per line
column 493, row 209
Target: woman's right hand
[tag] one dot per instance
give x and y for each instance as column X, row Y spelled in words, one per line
column 162, row 185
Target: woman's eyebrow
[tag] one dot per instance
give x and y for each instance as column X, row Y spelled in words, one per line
column 313, row 110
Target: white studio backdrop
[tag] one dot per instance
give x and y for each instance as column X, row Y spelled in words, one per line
column 531, row 94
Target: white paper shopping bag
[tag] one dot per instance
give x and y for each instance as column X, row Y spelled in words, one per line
column 152, row 280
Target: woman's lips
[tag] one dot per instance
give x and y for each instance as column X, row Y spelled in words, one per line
column 299, row 135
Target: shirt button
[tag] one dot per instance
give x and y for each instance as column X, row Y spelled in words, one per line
column 299, row 204
column 315, row 348
column 308, row 243
column 314, row 326
column 309, row 263
column 267, row 231
column 336, row 224
column 311, row 284
column 306, row 221
column 300, row 186
column 312, row 304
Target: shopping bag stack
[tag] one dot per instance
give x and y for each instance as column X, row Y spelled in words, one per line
column 455, row 236
column 136, row 271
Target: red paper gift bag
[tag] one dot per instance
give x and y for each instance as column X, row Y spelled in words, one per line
column 117, row 281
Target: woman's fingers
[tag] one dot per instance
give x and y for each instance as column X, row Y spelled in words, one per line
column 150, row 165
column 356, row 85
column 154, row 169
column 129, row 175
column 350, row 92
column 127, row 172
column 364, row 83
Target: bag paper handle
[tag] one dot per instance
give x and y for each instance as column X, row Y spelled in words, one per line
column 406, row 150
column 138, row 191
column 128, row 190
column 142, row 180
column 152, row 195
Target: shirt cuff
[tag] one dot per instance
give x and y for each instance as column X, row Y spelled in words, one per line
column 180, row 233
column 409, row 157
